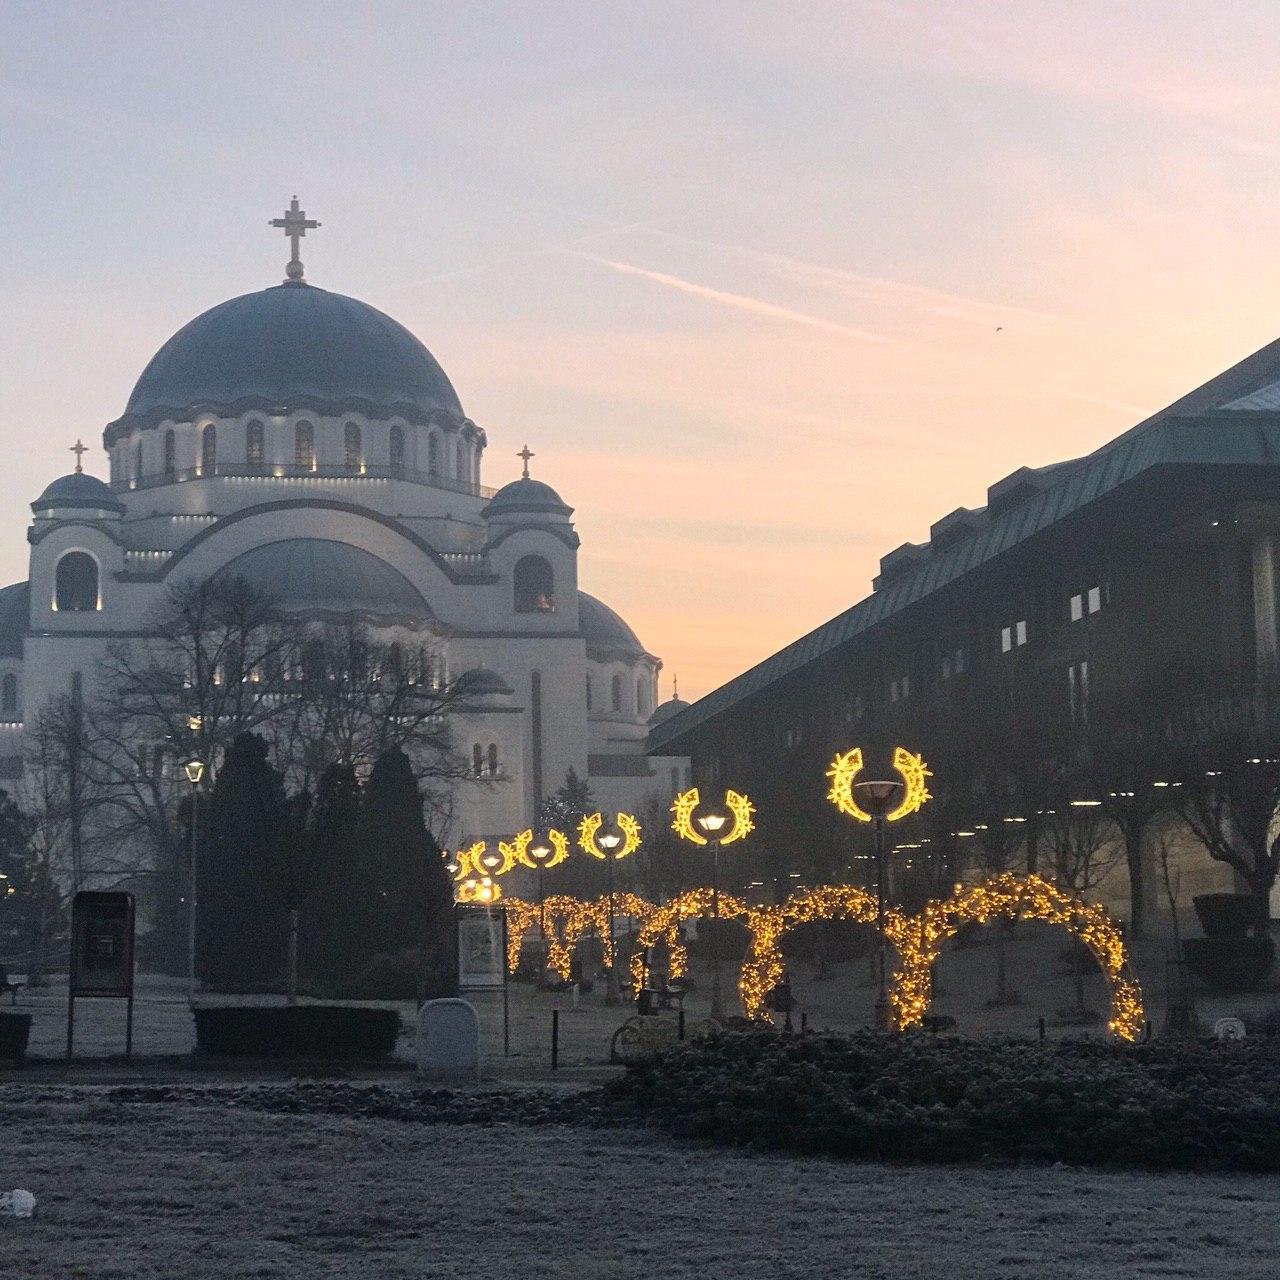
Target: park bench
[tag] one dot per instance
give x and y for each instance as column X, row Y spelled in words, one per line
column 10, row 983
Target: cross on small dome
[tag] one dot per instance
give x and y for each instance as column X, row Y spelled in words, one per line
column 526, row 453
column 79, row 449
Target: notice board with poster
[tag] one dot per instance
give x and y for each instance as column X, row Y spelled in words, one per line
column 102, row 938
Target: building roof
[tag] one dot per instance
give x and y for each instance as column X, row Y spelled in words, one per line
column 527, row 496
column 316, row 575
column 292, row 346
column 665, row 710
column 1225, row 422
column 15, row 614
column 78, row 489
column 606, row 634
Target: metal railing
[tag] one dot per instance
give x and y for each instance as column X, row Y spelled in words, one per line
column 266, row 472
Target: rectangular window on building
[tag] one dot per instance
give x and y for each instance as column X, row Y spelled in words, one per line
column 1095, row 599
column 1077, row 607
column 1006, row 639
column 1020, row 632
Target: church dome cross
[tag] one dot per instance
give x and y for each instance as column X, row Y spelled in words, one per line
column 295, row 224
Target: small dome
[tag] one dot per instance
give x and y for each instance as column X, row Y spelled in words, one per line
column 15, row 614
column 526, row 497
column 316, row 575
column 665, row 710
column 606, row 634
column 292, row 346
column 79, row 489
column 482, row 682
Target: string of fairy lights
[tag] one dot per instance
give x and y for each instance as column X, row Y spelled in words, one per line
column 917, row 939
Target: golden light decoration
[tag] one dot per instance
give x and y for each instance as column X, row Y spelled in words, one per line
column 1024, row 898
column 590, row 827
column 465, row 865
column 492, row 864
column 569, row 920
column 518, row 850
column 686, row 803
column 846, row 767
column 481, row 890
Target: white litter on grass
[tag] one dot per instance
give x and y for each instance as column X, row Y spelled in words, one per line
column 17, row 1204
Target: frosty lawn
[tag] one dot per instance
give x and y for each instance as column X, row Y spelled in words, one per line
column 193, row 1188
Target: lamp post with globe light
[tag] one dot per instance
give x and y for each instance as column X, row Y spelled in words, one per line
column 611, row 847
column 194, row 769
column 879, row 797
column 711, row 824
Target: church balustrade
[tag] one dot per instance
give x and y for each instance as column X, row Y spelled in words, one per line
column 266, row 472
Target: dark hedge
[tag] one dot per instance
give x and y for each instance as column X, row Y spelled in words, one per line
column 1163, row 1105
column 333, row 1032
column 15, row 1028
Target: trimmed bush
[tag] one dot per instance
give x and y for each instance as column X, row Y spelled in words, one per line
column 1232, row 964
column 15, row 1028
column 329, row 1031
column 1226, row 915
column 1164, row 1105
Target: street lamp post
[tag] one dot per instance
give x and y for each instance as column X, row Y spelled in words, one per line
column 712, row 824
column 878, row 798
column 194, row 770
column 609, row 844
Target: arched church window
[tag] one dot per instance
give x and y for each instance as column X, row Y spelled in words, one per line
column 535, row 587
column 9, row 696
column 493, row 759
column 588, row 693
column 477, row 759
column 255, row 450
column 642, row 696
column 354, row 447
column 397, row 447
column 170, row 465
column 209, row 450
column 616, row 693
column 137, row 462
column 76, row 583
column 433, row 454
column 304, row 446
column 459, row 462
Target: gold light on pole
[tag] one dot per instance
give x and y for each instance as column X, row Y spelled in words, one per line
column 609, row 848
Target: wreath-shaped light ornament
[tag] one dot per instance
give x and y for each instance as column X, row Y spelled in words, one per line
column 846, row 767
column 487, row 863
column 484, row 890
column 518, row 850
column 590, row 827
column 465, row 864
column 687, row 802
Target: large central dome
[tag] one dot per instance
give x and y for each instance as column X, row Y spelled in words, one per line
column 292, row 346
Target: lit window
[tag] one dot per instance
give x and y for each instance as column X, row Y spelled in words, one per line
column 533, row 584
column 354, row 447
column 1095, row 599
column 1020, row 630
column 1077, row 608
column 1006, row 639
column 304, row 446
column 254, row 446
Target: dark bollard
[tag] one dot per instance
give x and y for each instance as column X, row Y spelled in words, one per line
column 555, row 1039
column 1041, row 1024
column 680, row 1024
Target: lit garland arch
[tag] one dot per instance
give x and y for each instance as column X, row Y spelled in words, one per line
column 569, row 920
column 1023, row 898
column 764, row 968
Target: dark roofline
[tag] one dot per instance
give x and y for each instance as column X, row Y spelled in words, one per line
column 1192, row 431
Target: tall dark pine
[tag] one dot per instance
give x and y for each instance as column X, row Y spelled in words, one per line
column 242, row 918
column 407, row 878
column 337, row 901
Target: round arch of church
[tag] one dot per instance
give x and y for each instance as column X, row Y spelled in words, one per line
column 306, row 441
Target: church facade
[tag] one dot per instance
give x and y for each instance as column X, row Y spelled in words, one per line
column 307, row 443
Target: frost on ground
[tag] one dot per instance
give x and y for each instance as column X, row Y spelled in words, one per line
column 188, row 1186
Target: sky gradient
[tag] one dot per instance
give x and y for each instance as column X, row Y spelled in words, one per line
column 767, row 292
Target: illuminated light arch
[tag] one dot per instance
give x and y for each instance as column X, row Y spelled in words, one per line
column 764, row 968
column 593, row 917
column 516, row 851
column 521, row 917
column 687, row 802
column 590, row 827
column 664, row 926
column 1023, row 898
column 846, row 767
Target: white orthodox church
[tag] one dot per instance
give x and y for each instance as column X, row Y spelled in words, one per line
column 306, row 442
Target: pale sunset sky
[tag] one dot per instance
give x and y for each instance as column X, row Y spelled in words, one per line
column 768, row 288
